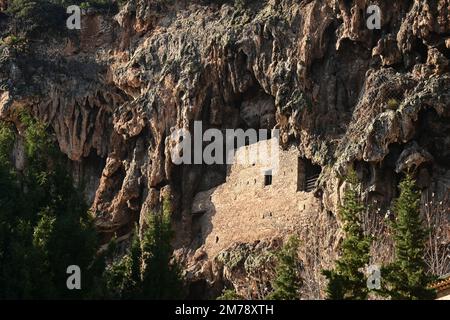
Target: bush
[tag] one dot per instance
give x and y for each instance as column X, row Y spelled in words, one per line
column 229, row 294
column 146, row 271
column 392, row 104
column 42, row 216
column 287, row 282
column 101, row 5
column 6, row 143
column 12, row 41
column 33, row 16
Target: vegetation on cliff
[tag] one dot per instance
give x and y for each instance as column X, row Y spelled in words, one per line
column 45, row 227
column 43, row 17
column 287, row 282
column 36, row 17
column 347, row 280
column 406, row 276
column 44, row 223
column 115, row 90
column 146, row 271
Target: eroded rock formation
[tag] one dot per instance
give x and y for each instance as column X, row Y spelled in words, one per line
column 344, row 95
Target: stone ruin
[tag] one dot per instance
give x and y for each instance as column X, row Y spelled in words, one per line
column 256, row 201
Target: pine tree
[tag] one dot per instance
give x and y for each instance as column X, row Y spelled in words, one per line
column 347, row 280
column 42, row 216
column 287, row 281
column 147, row 271
column 123, row 277
column 406, row 277
column 160, row 278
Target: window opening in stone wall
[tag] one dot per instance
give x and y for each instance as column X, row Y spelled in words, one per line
column 268, row 178
column 307, row 175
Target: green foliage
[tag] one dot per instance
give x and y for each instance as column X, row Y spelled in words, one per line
column 36, row 137
column 147, row 272
column 392, row 104
column 45, row 227
column 85, row 5
column 39, row 17
column 160, row 279
column 36, row 16
column 347, row 280
column 406, row 277
column 100, row 4
column 287, row 281
column 240, row 4
column 44, row 222
column 13, row 41
column 6, row 143
column 229, row 294
column 123, row 277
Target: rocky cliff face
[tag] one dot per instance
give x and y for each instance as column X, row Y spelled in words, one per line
column 344, row 95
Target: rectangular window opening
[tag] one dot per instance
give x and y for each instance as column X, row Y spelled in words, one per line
column 268, row 178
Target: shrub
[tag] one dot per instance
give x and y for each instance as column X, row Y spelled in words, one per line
column 42, row 216
column 33, row 16
column 6, row 142
column 393, row 104
column 287, row 282
column 147, row 272
column 229, row 294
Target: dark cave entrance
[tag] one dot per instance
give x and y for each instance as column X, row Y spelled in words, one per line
column 252, row 109
column 432, row 134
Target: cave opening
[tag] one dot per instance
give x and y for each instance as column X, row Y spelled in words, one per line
column 432, row 134
column 363, row 171
column 87, row 173
column 421, row 49
column 384, row 180
column 251, row 109
column 444, row 50
column 197, row 229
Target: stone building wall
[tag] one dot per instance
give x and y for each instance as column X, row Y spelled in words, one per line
column 244, row 209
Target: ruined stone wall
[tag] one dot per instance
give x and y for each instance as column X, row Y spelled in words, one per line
column 244, row 209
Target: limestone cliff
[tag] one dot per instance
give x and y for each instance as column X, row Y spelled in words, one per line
column 343, row 95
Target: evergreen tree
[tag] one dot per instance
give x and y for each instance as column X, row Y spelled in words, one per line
column 347, row 279
column 123, row 276
column 44, row 222
column 287, row 281
column 406, row 277
column 160, row 278
column 147, row 271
